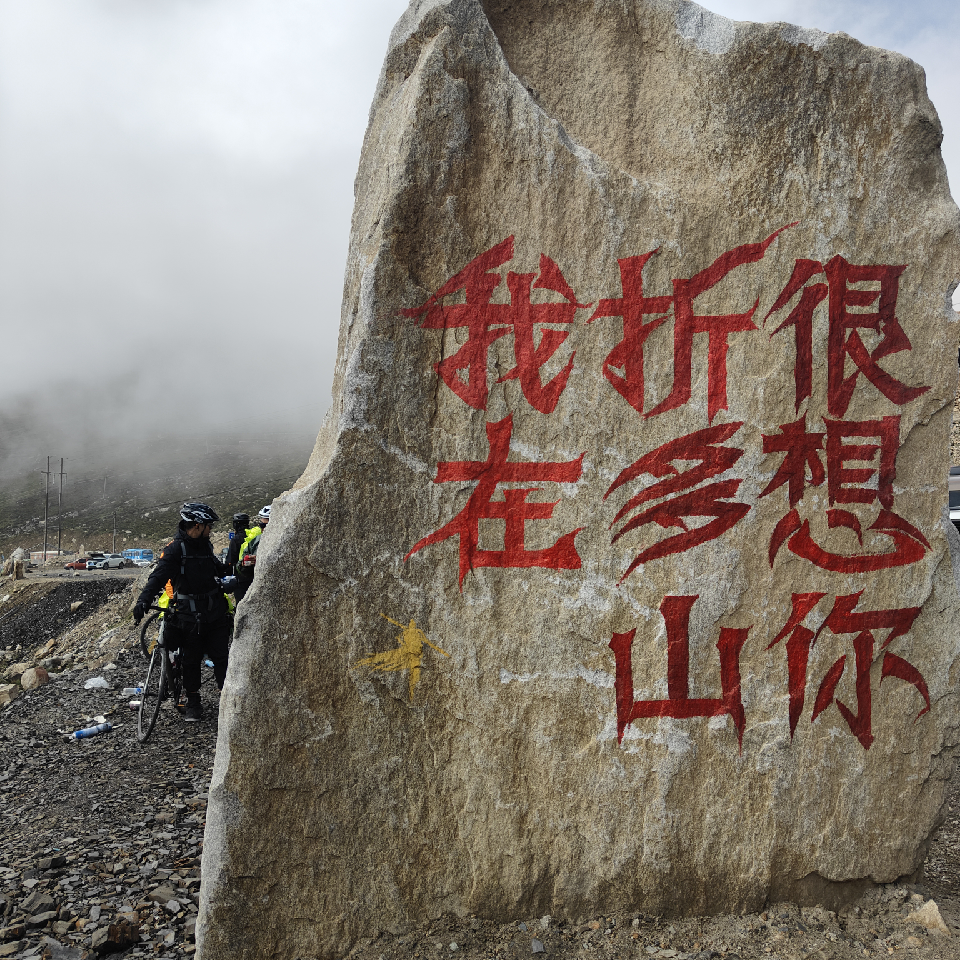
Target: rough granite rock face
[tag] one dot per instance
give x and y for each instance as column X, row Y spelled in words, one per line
column 619, row 576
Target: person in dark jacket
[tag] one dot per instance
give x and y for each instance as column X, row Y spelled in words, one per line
column 240, row 521
column 198, row 617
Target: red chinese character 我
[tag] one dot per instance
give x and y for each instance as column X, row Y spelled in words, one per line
column 844, row 619
column 844, row 340
column 514, row 509
column 712, row 500
column 534, row 341
column 845, row 484
column 679, row 704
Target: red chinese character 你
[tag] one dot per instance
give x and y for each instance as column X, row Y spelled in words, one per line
column 845, row 484
column 845, row 619
column 679, row 704
column 844, row 340
column 712, row 500
column 514, row 509
column 465, row 372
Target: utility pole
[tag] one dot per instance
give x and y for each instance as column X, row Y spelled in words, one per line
column 46, row 503
column 114, row 532
column 60, row 508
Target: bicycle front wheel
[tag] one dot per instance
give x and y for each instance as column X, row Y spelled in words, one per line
column 152, row 696
column 150, row 633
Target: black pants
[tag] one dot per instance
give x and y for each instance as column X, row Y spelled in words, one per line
column 244, row 582
column 194, row 639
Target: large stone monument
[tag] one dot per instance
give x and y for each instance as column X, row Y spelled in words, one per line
column 619, row 576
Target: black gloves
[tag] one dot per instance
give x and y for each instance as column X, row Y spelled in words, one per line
column 138, row 611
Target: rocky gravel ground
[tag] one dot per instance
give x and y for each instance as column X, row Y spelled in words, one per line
column 101, row 841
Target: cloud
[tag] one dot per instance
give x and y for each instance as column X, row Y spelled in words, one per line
column 176, row 189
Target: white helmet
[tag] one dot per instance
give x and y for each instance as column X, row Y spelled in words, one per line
column 264, row 514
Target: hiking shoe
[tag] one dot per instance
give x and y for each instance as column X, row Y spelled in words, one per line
column 194, row 710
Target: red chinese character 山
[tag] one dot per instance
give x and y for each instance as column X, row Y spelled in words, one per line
column 845, row 619
column 845, row 484
column 679, row 704
column 844, row 340
column 514, row 509
column 465, row 372
column 712, row 500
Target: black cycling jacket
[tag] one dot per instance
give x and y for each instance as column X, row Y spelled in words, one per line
column 191, row 566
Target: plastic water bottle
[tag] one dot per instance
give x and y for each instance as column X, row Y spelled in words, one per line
column 92, row 731
column 131, row 691
column 208, row 663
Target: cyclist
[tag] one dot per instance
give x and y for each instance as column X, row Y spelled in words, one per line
column 197, row 619
column 240, row 521
column 247, row 558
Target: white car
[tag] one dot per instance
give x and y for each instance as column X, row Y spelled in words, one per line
column 953, row 493
column 107, row 561
column 144, row 563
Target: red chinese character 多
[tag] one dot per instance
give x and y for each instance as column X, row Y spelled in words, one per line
column 712, row 500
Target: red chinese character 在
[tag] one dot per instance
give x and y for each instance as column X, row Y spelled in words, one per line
column 679, row 704
column 842, row 620
column 514, row 509
column 843, row 339
column 845, row 484
column 712, row 500
column 687, row 323
column 465, row 372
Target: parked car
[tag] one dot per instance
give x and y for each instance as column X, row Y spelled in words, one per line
column 80, row 564
column 144, row 563
column 953, row 494
column 107, row 561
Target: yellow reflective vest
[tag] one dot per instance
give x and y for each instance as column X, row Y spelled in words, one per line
column 251, row 535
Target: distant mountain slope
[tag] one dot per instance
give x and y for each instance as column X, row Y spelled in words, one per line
column 140, row 489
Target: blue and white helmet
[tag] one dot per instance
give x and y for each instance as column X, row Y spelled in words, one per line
column 198, row 513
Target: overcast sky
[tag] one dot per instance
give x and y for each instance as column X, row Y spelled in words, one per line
column 176, row 185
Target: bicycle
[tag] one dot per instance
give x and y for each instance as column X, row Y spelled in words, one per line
column 164, row 680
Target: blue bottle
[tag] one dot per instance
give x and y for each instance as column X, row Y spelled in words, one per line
column 92, row 731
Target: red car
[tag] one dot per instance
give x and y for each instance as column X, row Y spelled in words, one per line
column 80, row 564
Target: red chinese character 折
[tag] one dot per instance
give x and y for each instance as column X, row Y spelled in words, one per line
column 687, row 323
